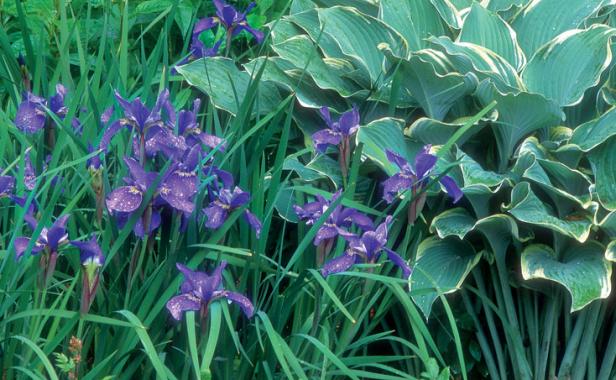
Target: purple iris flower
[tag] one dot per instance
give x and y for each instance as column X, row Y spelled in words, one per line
column 366, row 248
column 232, row 20
column 176, row 189
column 199, row 289
column 92, row 260
column 416, row 179
column 224, row 203
column 7, row 185
column 47, row 243
column 338, row 221
column 49, row 239
column 31, row 115
column 337, row 131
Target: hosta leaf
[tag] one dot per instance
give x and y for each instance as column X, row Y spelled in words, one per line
column 359, row 36
column 415, row 20
column 543, row 20
column 558, row 179
column 380, row 135
column 487, row 29
column 309, row 21
column 527, row 207
column 504, row 5
column 468, row 57
column 430, row 131
column 441, row 265
column 610, row 251
column 305, row 173
column 434, row 92
column 455, row 222
column 569, row 64
column 607, row 224
column 474, row 175
column 518, row 115
column 301, row 52
column 227, row 86
column 284, row 204
column 449, row 13
column 284, row 74
column 589, row 135
column 603, row 162
column 283, row 29
column 582, row 270
column 328, row 167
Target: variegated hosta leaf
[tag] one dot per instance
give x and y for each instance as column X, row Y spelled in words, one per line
column 607, row 224
column 589, row 135
column 560, row 181
column 305, row 173
column 499, row 229
column 449, row 13
column 610, row 251
column 283, row 29
column 302, row 53
column 441, row 265
column 359, row 36
column 380, row 135
column 474, row 175
column 227, row 86
column 543, row 20
column 505, row 5
column 435, row 93
column 484, row 28
column 603, row 162
column 430, row 131
column 284, row 203
column 518, row 115
column 569, row 64
column 309, row 22
column 527, row 207
column 286, row 76
column 481, row 61
column 581, row 269
column 415, row 20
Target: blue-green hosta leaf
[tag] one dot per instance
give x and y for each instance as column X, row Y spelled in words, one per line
column 608, row 224
column 301, row 52
column 380, row 135
column 500, row 229
column 449, row 13
column 610, row 251
column 474, row 175
column 309, row 22
column 305, row 173
column 484, row 28
column 285, row 75
column 298, row 6
column 468, row 57
column 435, row 93
column 527, row 207
column 284, row 203
column 328, row 167
column 559, row 180
column 283, row 29
column 454, row 222
column 415, row 20
column 430, row 131
column 569, row 64
column 505, row 5
column 359, row 37
column 441, row 265
column 582, row 270
column 227, row 86
column 543, row 20
column 589, row 135
column 518, row 115
column 603, row 163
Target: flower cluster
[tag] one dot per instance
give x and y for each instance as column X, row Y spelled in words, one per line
column 177, row 138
